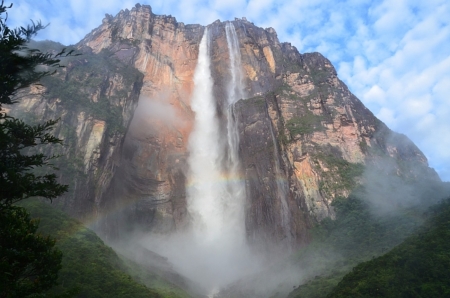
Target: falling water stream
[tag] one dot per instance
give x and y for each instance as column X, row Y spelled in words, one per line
column 214, row 252
column 235, row 92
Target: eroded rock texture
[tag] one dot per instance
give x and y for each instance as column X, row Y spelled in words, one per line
column 304, row 138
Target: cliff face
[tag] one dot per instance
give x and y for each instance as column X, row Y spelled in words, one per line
column 304, row 138
column 94, row 97
column 149, row 186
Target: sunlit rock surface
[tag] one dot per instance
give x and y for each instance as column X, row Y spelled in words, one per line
column 133, row 174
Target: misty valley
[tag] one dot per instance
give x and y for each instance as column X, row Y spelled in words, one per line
column 216, row 161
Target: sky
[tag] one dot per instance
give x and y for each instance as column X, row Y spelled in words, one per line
column 393, row 55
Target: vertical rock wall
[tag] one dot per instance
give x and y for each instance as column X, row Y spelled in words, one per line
column 131, row 173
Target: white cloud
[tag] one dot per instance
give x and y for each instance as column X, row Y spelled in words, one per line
column 387, row 115
column 426, row 123
column 375, row 94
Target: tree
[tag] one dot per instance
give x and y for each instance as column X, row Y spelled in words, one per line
column 17, row 179
column 19, row 69
column 19, row 63
column 28, row 262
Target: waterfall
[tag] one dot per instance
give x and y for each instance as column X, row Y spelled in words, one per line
column 205, row 194
column 236, row 187
column 217, row 194
column 214, row 252
column 235, row 92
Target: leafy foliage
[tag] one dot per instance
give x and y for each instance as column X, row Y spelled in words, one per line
column 17, row 181
column 341, row 175
column 89, row 265
column 304, row 125
column 419, row 267
column 18, row 61
column 19, row 70
column 29, row 262
column 153, row 280
column 356, row 235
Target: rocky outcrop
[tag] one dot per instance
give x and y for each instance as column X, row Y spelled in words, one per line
column 304, row 138
column 94, row 97
column 149, row 187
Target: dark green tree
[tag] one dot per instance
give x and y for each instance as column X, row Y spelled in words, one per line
column 19, row 68
column 18, row 181
column 28, row 262
column 19, row 63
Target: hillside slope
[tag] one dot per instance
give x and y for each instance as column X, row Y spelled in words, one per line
column 418, row 267
column 90, row 266
column 359, row 234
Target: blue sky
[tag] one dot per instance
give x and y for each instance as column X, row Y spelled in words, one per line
column 393, row 55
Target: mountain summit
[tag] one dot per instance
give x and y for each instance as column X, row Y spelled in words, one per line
column 298, row 137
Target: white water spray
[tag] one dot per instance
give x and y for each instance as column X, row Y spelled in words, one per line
column 214, row 253
column 236, row 186
column 216, row 196
column 235, row 92
column 205, row 196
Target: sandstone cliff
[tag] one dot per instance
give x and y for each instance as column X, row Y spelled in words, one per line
column 95, row 97
column 304, row 138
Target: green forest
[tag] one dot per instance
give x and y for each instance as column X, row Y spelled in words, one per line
column 89, row 267
column 418, row 267
column 361, row 254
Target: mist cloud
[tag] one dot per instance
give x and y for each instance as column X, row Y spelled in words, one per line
column 156, row 109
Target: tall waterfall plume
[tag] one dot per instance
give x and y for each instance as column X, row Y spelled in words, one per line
column 205, row 194
column 214, row 252
column 235, row 91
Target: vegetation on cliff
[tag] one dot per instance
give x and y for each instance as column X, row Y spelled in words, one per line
column 419, row 267
column 306, row 124
column 93, row 88
column 341, row 175
column 29, row 262
column 86, row 84
column 303, row 123
column 89, row 266
column 356, row 235
column 359, row 234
